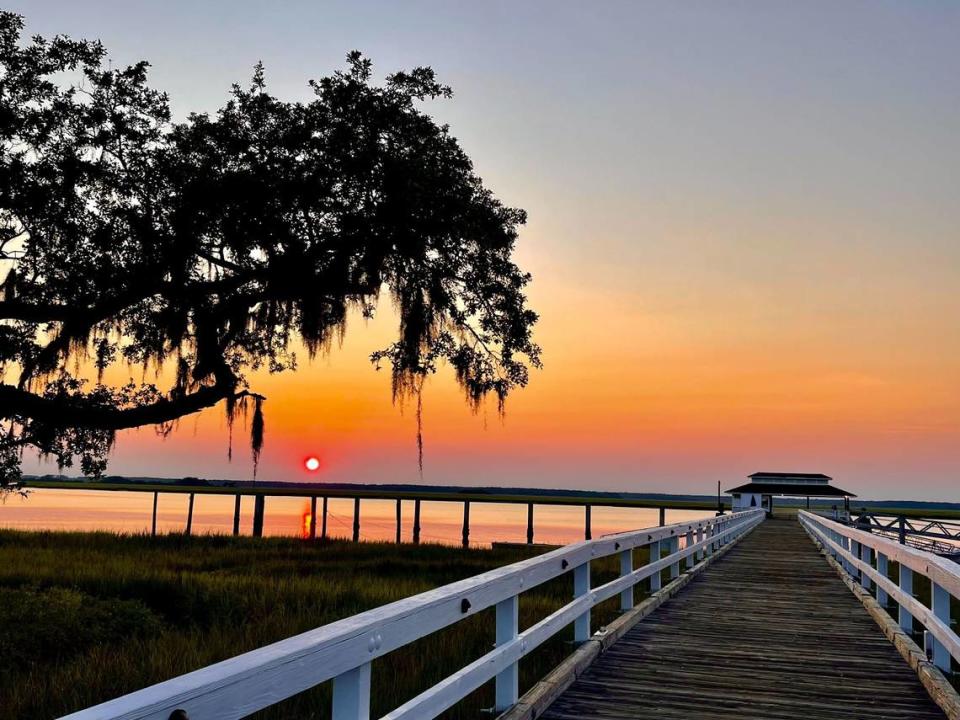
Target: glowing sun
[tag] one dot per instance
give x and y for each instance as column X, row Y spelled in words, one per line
column 312, row 463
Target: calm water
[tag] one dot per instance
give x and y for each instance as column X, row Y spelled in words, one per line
column 46, row 509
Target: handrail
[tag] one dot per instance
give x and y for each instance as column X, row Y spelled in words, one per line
column 342, row 651
column 857, row 550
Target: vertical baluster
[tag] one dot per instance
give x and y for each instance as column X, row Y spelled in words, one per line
column 691, row 558
column 866, row 555
column 673, row 546
column 581, row 586
column 507, row 682
column 906, row 586
column 351, row 694
column 882, row 568
column 941, row 609
column 654, row 548
column 626, row 567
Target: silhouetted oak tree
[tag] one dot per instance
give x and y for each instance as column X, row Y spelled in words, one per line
column 204, row 249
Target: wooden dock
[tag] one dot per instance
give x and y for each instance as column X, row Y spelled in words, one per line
column 767, row 632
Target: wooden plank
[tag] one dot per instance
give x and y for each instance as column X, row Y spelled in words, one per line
column 728, row 647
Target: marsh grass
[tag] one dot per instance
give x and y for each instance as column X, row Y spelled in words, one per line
column 85, row 617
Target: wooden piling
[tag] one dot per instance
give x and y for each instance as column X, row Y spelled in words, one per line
column 356, row 519
column 587, row 529
column 259, row 508
column 190, row 514
column 313, row 518
column 416, row 522
column 663, row 517
column 153, row 524
column 466, row 523
column 529, row 523
column 398, row 520
column 236, row 516
column 323, row 525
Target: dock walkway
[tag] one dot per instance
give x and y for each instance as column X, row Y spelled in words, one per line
column 768, row 632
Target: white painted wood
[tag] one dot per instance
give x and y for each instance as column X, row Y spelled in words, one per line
column 883, row 569
column 940, row 601
column 702, row 553
column 343, row 650
column 691, row 559
column 906, row 586
column 507, row 684
column 351, row 694
column 938, row 626
column 673, row 547
column 866, row 554
column 654, row 559
column 626, row 567
column 581, row 586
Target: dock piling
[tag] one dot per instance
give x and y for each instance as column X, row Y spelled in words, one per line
column 416, row 522
column 356, row 519
column 236, row 516
column 153, row 524
column 529, row 523
column 259, row 503
column 190, row 514
column 398, row 521
column 587, row 530
column 313, row 518
column 323, row 526
column 466, row 523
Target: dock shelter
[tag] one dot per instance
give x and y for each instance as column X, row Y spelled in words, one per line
column 764, row 486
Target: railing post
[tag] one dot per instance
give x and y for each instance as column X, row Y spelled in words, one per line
column 940, row 604
column 351, row 694
column 865, row 556
column 673, row 546
column 702, row 552
column 691, row 558
column 654, row 548
column 581, row 586
column 507, row 680
column 882, row 568
column 626, row 567
column 906, row 586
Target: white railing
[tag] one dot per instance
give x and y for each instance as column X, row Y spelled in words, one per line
column 865, row 557
column 342, row 651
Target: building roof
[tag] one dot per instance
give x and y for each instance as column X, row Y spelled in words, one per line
column 792, row 489
column 783, row 477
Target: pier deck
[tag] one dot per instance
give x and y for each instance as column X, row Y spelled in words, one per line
column 767, row 632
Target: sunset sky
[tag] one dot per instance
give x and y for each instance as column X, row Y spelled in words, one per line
column 743, row 233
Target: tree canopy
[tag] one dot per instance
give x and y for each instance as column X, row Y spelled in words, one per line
column 205, row 249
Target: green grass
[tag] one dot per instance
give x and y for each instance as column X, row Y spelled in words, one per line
column 85, row 617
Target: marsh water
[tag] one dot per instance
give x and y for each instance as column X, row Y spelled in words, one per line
column 130, row 512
